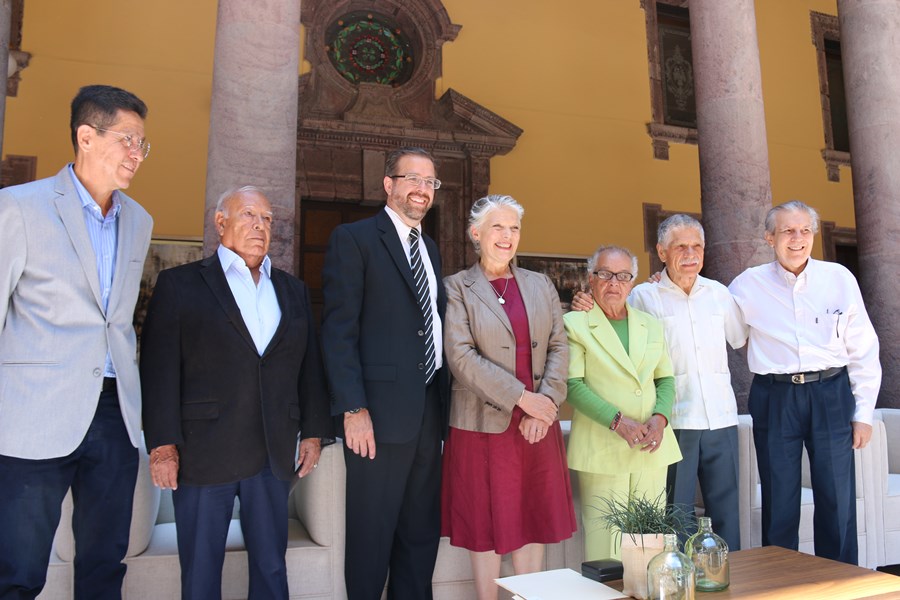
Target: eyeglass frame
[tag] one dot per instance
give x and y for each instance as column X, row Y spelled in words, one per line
column 431, row 182
column 618, row 276
column 128, row 140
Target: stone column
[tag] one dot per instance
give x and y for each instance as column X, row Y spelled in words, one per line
column 5, row 24
column 734, row 156
column 870, row 52
column 253, row 113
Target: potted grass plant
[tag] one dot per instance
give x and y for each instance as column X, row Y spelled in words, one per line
column 640, row 523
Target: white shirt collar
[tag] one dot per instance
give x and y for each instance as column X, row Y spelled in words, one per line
column 229, row 257
column 402, row 228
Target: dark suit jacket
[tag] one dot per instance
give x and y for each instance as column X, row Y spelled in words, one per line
column 207, row 389
column 372, row 328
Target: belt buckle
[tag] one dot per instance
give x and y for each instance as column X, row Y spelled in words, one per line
column 798, row 378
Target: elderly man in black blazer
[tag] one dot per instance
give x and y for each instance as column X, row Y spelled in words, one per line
column 234, row 398
column 381, row 338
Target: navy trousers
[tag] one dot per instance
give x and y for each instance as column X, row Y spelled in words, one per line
column 394, row 515
column 202, row 516
column 101, row 472
column 818, row 414
column 710, row 456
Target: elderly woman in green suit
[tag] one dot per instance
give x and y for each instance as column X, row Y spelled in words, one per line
column 622, row 387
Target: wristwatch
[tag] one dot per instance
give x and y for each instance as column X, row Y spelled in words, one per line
column 354, row 411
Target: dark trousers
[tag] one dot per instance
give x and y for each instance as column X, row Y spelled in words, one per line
column 710, row 456
column 785, row 418
column 393, row 514
column 202, row 516
column 101, row 472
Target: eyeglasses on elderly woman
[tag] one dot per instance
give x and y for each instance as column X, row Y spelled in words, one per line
column 605, row 275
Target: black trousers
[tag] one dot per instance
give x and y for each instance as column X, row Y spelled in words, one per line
column 393, row 513
column 818, row 415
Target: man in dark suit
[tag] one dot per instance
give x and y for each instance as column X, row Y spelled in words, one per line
column 381, row 336
column 72, row 248
column 232, row 379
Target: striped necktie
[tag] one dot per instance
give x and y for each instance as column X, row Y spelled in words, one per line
column 424, row 298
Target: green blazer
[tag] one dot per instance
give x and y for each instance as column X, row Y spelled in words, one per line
column 624, row 380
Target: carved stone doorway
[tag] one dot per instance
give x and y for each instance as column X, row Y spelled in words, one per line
column 371, row 89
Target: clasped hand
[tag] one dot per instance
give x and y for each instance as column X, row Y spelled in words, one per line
column 540, row 414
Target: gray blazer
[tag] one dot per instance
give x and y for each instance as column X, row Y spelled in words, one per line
column 481, row 349
column 55, row 334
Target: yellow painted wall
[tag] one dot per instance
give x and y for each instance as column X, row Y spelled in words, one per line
column 160, row 50
column 573, row 75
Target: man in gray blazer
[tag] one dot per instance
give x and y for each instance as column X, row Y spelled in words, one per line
column 72, row 250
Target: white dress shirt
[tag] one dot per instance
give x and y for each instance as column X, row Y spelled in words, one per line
column 810, row 322
column 697, row 327
column 258, row 303
column 437, row 330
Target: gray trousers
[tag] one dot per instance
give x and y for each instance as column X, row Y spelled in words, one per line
column 710, row 457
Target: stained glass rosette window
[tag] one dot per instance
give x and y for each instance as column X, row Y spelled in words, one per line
column 368, row 47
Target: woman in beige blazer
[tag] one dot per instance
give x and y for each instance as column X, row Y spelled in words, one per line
column 505, row 482
column 622, row 386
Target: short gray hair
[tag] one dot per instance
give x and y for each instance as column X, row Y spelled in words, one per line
column 483, row 207
column 791, row 205
column 664, row 232
column 232, row 192
column 610, row 249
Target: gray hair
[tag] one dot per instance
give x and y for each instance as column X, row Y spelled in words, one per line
column 610, row 249
column 483, row 207
column 664, row 232
column 232, row 192
column 791, row 205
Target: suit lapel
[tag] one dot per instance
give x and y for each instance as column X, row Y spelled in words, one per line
column 637, row 337
column 280, row 286
column 606, row 336
column 395, row 249
column 214, row 277
column 68, row 204
column 481, row 288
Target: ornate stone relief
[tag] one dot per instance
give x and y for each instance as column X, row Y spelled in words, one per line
column 356, row 108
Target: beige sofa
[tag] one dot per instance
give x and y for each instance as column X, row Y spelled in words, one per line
column 315, row 556
column 889, row 485
column 315, row 553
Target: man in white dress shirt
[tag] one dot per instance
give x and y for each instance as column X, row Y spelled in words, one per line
column 700, row 317
column 814, row 354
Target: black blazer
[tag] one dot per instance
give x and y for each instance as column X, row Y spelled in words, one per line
column 372, row 327
column 206, row 388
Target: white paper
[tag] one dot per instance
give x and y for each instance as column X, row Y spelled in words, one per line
column 560, row 584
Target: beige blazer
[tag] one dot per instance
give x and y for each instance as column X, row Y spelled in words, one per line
column 480, row 348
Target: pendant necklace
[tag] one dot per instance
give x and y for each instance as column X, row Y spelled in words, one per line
column 499, row 295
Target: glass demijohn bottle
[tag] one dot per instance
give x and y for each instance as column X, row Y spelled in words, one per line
column 670, row 574
column 709, row 553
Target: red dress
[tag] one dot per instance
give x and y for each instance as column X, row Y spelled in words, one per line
column 499, row 492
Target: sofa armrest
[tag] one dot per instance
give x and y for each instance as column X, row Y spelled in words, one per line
column 318, row 499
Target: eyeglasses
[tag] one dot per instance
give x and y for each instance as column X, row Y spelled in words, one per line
column 608, row 275
column 416, row 180
column 129, row 142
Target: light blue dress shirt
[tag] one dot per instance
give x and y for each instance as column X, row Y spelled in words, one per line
column 104, row 234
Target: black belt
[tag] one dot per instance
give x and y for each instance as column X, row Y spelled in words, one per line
column 109, row 384
column 808, row 377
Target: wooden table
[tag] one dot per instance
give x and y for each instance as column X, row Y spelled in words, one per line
column 774, row 573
